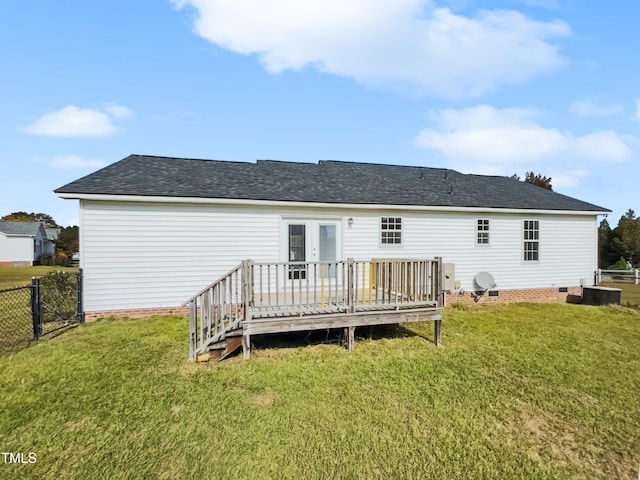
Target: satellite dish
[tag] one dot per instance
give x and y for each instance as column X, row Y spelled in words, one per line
column 484, row 280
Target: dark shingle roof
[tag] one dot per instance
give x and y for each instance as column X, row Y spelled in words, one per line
column 52, row 233
column 324, row 182
column 22, row 229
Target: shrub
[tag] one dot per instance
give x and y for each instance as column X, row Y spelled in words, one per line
column 621, row 264
column 59, row 296
column 44, row 259
column 62, row 258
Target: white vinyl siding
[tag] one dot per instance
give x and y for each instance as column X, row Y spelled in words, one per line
column 145, row 255
column 569, row 246
column 156, row 255
column 16, row 249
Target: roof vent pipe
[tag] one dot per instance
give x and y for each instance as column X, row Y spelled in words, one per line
column 450, row 189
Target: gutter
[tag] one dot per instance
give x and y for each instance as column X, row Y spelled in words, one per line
column 274, row 203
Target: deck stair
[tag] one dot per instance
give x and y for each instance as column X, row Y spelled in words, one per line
column 274, row 297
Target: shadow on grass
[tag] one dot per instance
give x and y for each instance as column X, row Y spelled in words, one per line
column 15, row 346
column 327, row 337
column 26, row 341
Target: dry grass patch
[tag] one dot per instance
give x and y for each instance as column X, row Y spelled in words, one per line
column 571, row 445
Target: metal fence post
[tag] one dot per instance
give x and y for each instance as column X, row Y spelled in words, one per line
column 80, row 306
column 36, row 307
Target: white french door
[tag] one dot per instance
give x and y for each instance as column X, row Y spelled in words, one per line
column 313, row 241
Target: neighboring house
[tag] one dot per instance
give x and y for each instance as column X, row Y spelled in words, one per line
column 52, row 233
column 155, row 230
column 21, row 243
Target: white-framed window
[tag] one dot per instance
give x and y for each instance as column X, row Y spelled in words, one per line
column 531, row 238
column 482, row 231
column 391, row 230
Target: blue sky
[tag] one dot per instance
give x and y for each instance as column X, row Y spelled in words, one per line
column 491, row 87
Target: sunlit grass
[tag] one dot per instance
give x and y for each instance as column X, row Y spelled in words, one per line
column 630, row 293
column 519, row 391
column 16, row 325
column 18, row 276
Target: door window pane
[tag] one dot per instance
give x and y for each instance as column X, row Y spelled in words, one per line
column 296, row 243
column 327, row 247
column 297, row 251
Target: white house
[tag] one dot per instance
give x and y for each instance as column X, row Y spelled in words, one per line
column 155, row 230
column 21, row 243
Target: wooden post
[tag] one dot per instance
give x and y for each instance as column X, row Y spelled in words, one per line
column 247, row 294
column 438, row 282
column 363, row 287
column 370, row 281
column 193, row 340
column 322, row 285
column 349, row 334
column 246, row 346
column 437, row 332
column 437, row 327
column 351, row 289
column 204, row 316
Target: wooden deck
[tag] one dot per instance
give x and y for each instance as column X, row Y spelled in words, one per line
column 261, row 298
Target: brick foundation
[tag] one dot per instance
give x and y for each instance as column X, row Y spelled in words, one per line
column 533, row 295
column 136, row 312
column 16, row 264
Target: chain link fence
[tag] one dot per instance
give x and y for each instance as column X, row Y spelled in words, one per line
column 58, row 301
column 16, row 321
column 51, row 303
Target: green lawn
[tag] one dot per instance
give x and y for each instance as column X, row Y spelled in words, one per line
column 18, row 276
column 630, row 293
column 518, row 391
column 16, row 328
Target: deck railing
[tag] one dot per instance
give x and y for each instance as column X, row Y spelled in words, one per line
column 215, row 310
column 259, row 290
column 342, row 286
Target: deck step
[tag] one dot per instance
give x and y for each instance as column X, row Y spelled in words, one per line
column 232, row 344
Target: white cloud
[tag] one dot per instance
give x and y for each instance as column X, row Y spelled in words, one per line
column 386, row 42
column 542, row 3
column 118, row 111
column 566, row 178
column 71, row 121
column 75, row 161
column 586, row 108
column 606, row 145
column 484, row 139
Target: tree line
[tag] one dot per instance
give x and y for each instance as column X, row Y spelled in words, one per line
column 619, row 248
column 67, row 243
